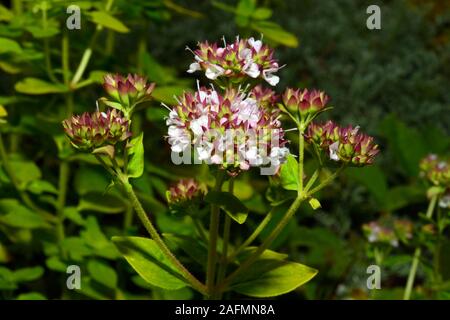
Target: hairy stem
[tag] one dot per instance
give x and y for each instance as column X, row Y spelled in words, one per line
column 417, row 254
column 196, row 284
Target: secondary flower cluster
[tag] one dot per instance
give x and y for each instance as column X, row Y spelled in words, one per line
column 92, row 130
column 345, row 144
column 240, row 59
column 128, row 91
column 388, row 232
column 184, row 190
column 436, row 170
column 233, row 129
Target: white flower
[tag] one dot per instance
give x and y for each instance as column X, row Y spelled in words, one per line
column 251, row 69
column 333, row 151
column 270, row 77
column 197, row 125
column 195, row 66
column 213, row 71
column 179, row 139
column 256, row 44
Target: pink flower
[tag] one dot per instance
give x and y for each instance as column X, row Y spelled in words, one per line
column 240, row 59
column 129, row 90
column 233, row 129
column 304, row 101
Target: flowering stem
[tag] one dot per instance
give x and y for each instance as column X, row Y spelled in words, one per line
column 226, row 238
column 301, row 152
column 327, row 181
column 273, row 235
column 417, row 253
column 213, row 235
column 196, row 284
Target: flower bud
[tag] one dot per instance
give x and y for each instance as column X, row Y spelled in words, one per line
column 436, row 170
column 304, row 101
column 93, row 130
column 185, row 197
column 128, row 91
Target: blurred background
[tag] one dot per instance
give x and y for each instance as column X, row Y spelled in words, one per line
column 392, row 82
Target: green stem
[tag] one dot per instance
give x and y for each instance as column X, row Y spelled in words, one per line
column 226, row 238
column 252, row 237
column 201, row 232
column 273, row 235
column 196, row 284
column 301, row 152
column 327, row 181
column 312, row 180
column 417, row 253
column 213, row 235
column 88, row 52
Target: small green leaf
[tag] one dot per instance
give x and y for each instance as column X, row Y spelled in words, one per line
column 275, row 33
column 136, row 154
column 25, row 171
column 31, row 296
column 36, row 86
column 314, row 203
column 74, row 215
column 149, row 262
column 262, row 13
column 102, row 273
column 40, row 33
column 289, row 173
column 106, row 20
column 230, row 203
column 41, row 186
column 9, row 46
column 28, row 274
column 14, row 214
column 270, row 278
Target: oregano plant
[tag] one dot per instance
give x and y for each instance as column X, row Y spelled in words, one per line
column 233, row 124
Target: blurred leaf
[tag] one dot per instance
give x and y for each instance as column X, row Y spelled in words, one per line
column 274, row 32
column 9, row 46
column 106, row 20
column 74, row 215
column 31, row 296
column 229, row 203
column 102, row 273
column 28, row 274
column 6, row 279
column 289, row 173
column 401, row 196
column 166, row 94
column 5, row 13
column 136, row 154
column 149, row 262
column 373, row 178
column 41, row 186
column 270, row 278
column 37, row 86
column 14, row 214
column 96, row 239
column 76, row 247
column 4, row 255
column 25, row 172
column 244, row 10
column 40, row 33
column 101, row 202
column 262, row 13
column 54, row 263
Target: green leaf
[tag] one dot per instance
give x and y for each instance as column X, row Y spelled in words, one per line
column 166, row 94
column 25, row 172
column 106, row 20
column 14, row 214
column 31, row 296
column 373, row 178
column 96, row 239
column 270, row 278
column 149, row 262
column 4, row 255
column 9, row 46
column 28, row 274
column 136, row 154
column 244, row 10
column 6, row 279
column 230, row 203
column 289, row 173
column 41, row 186
column 77, row 248
column 36, row 86
column 102, row 273
column 40, row 33
column 275, row 33
column 74, row 215
column 101, row 202
column 192, row 246
column 314, row 203
column 262, row 13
